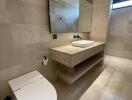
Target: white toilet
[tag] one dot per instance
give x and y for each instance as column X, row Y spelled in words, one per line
column 33, row 86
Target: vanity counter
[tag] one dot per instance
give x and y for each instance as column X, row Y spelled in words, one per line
column 70, row 56
column 70, row 50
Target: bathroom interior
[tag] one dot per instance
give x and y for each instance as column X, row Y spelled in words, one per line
column 65, row 49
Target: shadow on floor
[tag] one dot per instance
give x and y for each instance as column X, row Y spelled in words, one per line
column 75, row 91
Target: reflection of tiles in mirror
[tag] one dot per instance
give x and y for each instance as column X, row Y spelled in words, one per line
column 114, row 82
column 64, row 15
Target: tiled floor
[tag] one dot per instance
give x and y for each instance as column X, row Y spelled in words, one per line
column 114, row 83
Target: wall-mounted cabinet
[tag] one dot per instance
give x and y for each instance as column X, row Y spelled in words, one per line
column 76, row 61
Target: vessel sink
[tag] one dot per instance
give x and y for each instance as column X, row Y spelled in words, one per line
column 83, row 43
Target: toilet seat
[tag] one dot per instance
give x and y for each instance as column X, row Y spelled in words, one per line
column 35, row 89
column 39, row 90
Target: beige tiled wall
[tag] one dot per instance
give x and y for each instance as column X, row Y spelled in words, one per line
column 100, row 19
column 119, row 40
column 85, row 18
column 25, row 39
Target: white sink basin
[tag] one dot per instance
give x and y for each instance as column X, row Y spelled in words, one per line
column 83, row 43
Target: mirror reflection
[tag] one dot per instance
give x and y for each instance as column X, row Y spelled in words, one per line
column 68, row 16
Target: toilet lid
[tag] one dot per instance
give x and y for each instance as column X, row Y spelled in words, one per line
column 37, row 90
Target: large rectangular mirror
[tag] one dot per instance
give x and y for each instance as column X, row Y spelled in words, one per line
column 68, row 16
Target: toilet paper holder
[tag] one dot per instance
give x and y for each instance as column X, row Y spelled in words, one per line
column 45, row 60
